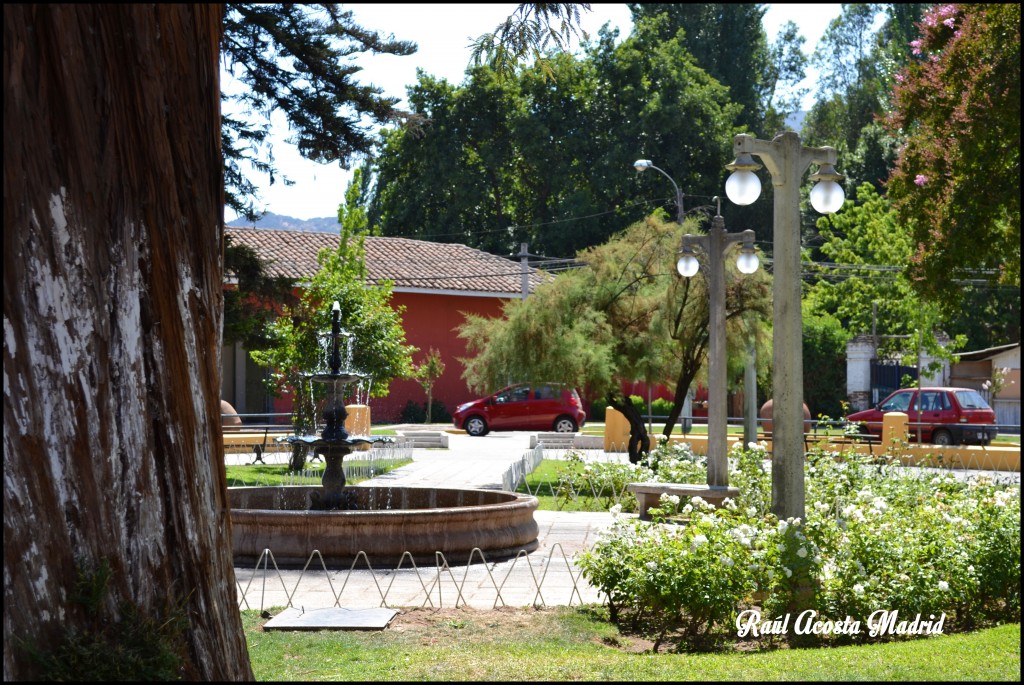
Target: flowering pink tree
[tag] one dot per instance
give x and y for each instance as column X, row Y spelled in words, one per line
column 956, row 183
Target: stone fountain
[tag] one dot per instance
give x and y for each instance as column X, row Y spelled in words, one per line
column 383, row 522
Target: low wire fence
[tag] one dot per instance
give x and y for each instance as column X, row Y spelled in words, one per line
column 537, row 580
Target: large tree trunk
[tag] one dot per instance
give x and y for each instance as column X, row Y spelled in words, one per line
column 112, row 318
column 686, row 376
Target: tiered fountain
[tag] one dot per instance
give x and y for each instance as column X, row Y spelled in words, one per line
column 334, row 443
column 383, row 522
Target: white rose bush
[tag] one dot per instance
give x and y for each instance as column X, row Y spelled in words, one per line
column 875, row 537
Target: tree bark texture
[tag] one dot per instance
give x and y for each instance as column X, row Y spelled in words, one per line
column 112, row 315
column 639, row 439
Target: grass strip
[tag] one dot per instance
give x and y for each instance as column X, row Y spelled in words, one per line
column 576, row 643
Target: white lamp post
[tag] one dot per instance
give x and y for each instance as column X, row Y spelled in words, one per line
column 643, row 165
column 787, row 160
column 714, row 245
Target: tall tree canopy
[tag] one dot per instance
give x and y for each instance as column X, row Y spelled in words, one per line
column 956, row 183
column 862, row 281
column 378, row 346
column 728, row 41
column 549, row 161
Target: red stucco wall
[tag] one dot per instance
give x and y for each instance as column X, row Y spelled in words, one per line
column 431, row 320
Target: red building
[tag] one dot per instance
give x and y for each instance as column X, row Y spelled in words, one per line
column 437, row 283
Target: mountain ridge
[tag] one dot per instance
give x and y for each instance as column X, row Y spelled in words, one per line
column 327, row 224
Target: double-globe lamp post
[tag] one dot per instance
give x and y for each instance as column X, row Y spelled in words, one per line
column 714, row 244
column 786, row 159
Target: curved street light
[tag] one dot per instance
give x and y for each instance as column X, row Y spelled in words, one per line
column 643, row 165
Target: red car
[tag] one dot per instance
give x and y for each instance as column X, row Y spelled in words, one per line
column 947, row 416
column 541, row 407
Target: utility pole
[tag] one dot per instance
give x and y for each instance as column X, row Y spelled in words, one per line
column 523, row 255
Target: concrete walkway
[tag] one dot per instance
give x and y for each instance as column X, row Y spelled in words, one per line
column 547, row 576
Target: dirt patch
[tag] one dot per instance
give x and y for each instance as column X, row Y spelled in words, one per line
column 416, row 619
column 429, row 625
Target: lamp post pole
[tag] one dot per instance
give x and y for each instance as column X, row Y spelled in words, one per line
column 714, row 245
column 786, row 160
column 750, row 394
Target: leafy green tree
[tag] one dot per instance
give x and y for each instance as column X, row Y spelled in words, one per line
column 851, row 84
column 373, row 326
column 728, row 41
column 426, row 374
column 296, row 58
column 549, row 162
column 625, row 316
column 958, row 108
column 862, row 282
column 824, row 364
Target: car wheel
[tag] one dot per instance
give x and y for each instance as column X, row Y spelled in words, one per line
column 476, row 426
column 564, row 424
column 942, row 437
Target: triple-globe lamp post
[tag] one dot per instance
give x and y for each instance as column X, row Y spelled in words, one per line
column 786, row 159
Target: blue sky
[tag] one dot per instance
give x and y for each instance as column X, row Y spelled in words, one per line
column 443, row 32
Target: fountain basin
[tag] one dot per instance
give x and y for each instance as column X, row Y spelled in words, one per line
column 388, row 522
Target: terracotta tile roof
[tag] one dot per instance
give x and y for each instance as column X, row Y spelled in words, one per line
column 410, row 264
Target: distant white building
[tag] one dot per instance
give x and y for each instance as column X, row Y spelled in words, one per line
column 997, row 368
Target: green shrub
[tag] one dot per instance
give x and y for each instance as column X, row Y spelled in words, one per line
column 875, row 537
column 601, row 484
column 417, row 413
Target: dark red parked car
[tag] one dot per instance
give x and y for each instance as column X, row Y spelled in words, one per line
column 947, row 416
column 541, row 407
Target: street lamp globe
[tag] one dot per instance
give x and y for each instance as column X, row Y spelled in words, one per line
column 747, row 262
column 827, row 197
column 743, row 187
column 687, row 265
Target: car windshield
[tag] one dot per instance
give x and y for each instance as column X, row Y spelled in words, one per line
column 971, row 399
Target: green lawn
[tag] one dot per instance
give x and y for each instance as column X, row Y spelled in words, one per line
column 277, row 474
column 578, row 643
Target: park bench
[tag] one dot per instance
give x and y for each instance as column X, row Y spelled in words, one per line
column 255, row 436
column 649, row 494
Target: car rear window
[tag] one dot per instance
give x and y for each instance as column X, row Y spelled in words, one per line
column 971, row 399
column 546, row 392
